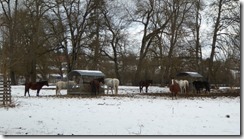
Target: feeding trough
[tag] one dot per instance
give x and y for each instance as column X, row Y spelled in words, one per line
column 83, row 78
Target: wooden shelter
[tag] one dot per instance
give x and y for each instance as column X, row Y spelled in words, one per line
column 190, row 77
column 83, row 78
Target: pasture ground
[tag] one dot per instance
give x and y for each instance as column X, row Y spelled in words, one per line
column 129, row 113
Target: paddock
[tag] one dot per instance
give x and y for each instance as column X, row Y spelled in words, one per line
column 83, row 78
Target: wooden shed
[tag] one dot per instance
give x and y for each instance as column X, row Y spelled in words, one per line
column 190, row 77
column 83, row 78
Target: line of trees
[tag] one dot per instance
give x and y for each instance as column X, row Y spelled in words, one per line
column 38, row 36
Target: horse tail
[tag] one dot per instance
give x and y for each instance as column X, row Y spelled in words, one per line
column 186, row 84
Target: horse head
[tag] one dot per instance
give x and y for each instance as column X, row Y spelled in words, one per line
column 149, row 81
column 101, row 80
column 45, row 83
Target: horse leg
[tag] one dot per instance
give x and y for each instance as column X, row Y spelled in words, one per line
column 180, row 89
column 141, row 89
column 58, row 92
column 146, row 88
column 114, row 87
column 107, row 89
column 116, row 90
column 37, row 93
column 27, row 91
column 112, row 90
column 98, row 92
column 57, row 89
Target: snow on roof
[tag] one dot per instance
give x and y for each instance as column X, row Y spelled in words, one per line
column 86, row 73
column 191, row 74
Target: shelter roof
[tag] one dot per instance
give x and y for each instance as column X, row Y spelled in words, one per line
column 86, row 73
column 191, row 74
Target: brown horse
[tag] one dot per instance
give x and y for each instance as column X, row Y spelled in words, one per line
column 35, row 86
column 174, row 88
column 145, row 83
column 95, row 85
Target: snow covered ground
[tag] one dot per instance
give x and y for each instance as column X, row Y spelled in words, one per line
column 116, row 115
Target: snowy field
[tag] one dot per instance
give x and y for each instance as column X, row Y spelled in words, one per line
column 116, row 115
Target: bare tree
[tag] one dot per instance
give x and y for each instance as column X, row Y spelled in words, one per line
column 223, row 18
column 175, row 33
column 145, row 12
column 10, row 15
column 196, row 33
column 71, row 18
column 115, row 39
column 36, row 11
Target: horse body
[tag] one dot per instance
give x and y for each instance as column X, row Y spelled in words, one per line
column 145, row 83
column 184, row 85
column 112, row 83
column 200, row 85
column 95, row 85
column 174, row 88
column 35, row 86
column 63, row 85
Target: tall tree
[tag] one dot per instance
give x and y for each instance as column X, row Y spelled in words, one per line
column 10, row 15
column 196, row 32
column 36, row 11
column 223, row 18
column 145, row 12
column 95, row 26
column 115, row 39
column 72, row 21
column 175, row 32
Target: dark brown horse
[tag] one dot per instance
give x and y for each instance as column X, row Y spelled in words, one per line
column 199, row 85
column 95, row 85
column 145, row 83
column 35, row 86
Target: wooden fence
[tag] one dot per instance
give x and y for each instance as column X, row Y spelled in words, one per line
column 5, row 93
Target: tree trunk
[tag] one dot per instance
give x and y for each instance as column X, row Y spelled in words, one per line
column 197, row 27
column 215, row 34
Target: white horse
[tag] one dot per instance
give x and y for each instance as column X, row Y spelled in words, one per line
column 63, row 85
column 184, row 85
column 112, row 83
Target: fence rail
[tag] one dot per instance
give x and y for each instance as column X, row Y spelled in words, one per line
column 5, row 92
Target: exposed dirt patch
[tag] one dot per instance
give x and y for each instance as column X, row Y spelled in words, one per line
column 214, row 93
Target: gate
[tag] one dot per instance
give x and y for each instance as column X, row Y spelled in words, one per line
column 5, row 92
